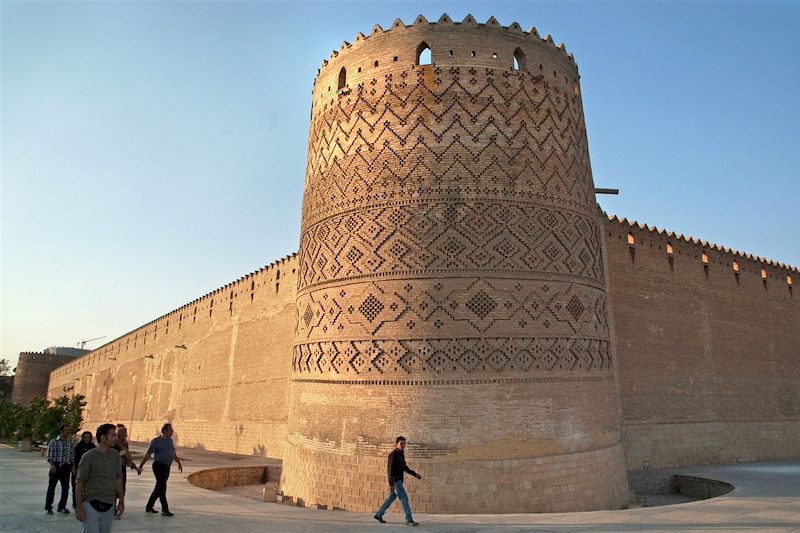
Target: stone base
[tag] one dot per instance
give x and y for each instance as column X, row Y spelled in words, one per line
column 582, row 481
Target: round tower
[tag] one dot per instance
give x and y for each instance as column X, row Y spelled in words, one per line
column 452, row 285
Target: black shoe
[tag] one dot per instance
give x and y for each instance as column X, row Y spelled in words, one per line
column 412, row 523
column 64, row 511
column 379, row 519
column 48, row 511
column 167, row 513
column 150, row 510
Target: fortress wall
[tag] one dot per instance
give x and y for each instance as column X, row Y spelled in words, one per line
column 217, row 368
column 708, row 364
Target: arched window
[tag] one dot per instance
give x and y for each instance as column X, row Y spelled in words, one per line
column 423, row 54
column 342, row 78
column 519, row 59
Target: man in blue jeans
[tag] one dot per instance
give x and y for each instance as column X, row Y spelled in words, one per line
column 395, row 468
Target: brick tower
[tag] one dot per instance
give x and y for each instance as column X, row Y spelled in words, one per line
column 452, row 284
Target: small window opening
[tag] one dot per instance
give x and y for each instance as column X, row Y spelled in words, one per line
column 450, row 53
column 472, row 53
column 424, row 54
column 764, row 274
column 631, row 240
column 704, row 258
column 540, row 67
column 230, row 308
column 670, row 251
column 519, row 59
column 789, row 280
column 277, row 274
column 276, row 287
column 342, row 78
column 394, row 58
column 359, row 69
column 494, row 55
column 736, row 267
column 376, row 63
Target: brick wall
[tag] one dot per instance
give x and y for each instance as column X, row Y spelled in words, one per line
column 708, row 359
column 217, row 368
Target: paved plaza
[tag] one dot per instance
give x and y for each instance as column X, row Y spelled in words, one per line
column 766, row 498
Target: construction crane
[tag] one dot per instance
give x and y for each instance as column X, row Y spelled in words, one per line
column 82, row 342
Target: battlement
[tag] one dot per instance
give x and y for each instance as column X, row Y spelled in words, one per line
column 451, row 43
column 672, row 238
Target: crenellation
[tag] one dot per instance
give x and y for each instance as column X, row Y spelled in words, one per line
column 730, row 255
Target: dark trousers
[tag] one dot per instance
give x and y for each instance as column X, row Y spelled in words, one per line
column 161, row 471
column 74, row 503
column 60, row 475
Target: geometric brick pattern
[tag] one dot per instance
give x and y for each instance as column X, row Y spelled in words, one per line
column 468, row 131
column 455, row 236
column 371, row 358
column 469, row 306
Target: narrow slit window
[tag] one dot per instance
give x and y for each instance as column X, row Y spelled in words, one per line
column 342, row 78
column 704, row 258
column 670, row 251
column 424, row 56
column 763, row 273
column 631, row 240
column 519, row 59
column 736, row 267
column 789, row 280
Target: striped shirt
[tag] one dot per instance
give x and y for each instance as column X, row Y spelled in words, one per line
column 60, row 451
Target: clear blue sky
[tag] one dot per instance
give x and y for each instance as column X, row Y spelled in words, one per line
column 152, row 152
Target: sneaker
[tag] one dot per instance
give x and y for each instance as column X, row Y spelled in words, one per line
column 412, row 523
column 48, row 511
column 64, row 511
column 150, row 510
column 379, row 519
column 167, row 513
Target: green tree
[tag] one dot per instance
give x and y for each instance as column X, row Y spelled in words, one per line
column 9, row 418
column 73, row 412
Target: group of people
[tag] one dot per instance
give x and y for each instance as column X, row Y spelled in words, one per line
column 99, row 473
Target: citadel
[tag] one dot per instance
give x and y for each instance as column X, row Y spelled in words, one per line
column 457, row 283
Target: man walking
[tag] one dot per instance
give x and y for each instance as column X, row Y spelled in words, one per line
column 395, row 468
column 99, row 483
column 61, row 457
column 163, row 451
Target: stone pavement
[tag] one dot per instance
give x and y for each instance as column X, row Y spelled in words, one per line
column 766, row 498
